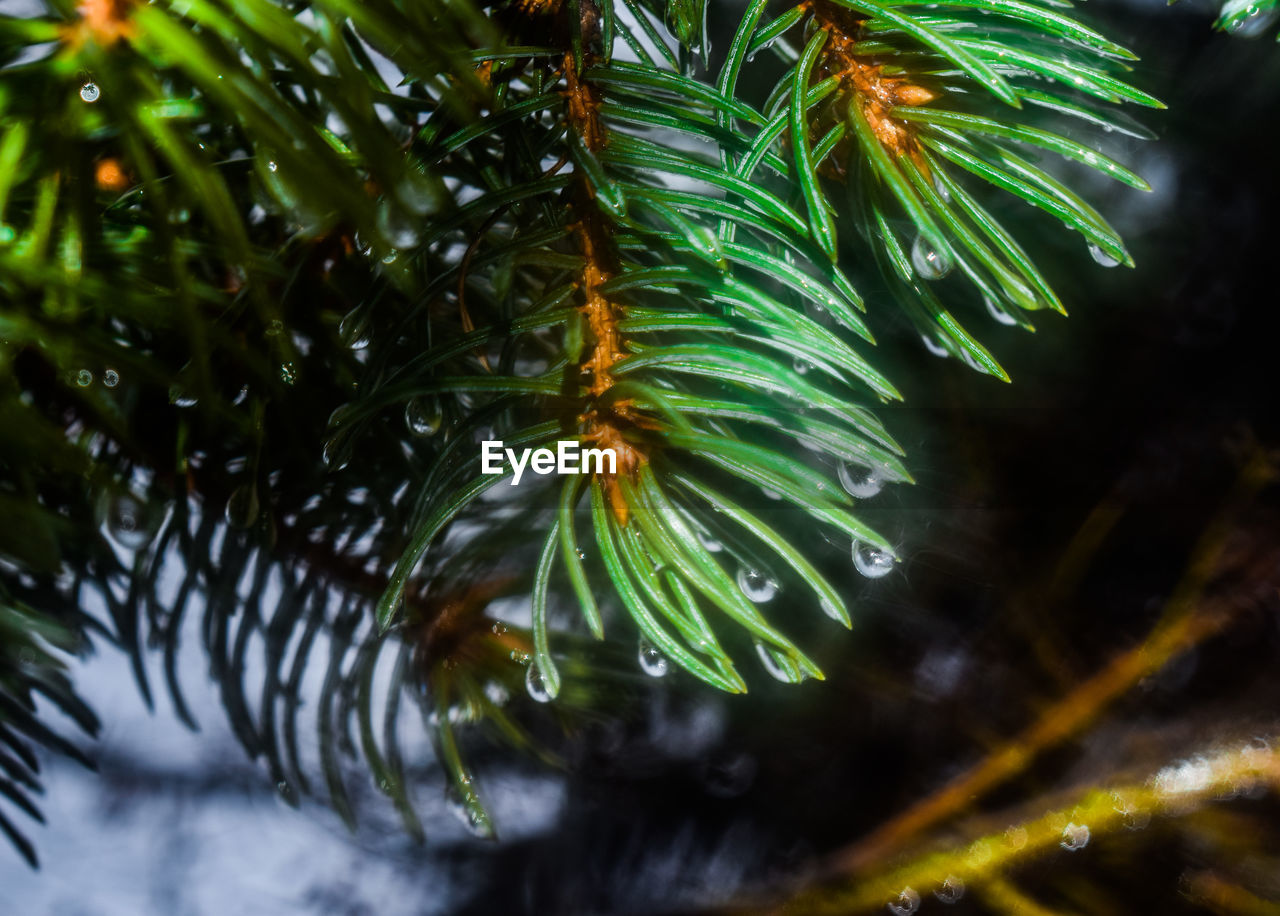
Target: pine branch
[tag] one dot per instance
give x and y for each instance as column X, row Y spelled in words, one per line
column 272, row 271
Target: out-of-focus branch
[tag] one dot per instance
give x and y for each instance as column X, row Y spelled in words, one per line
column 1003, row 897
column 1227, row 898
column 982, row 862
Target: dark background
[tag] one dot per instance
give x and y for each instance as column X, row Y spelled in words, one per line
column 1148, row 396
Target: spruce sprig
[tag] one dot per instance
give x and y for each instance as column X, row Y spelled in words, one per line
column 328, row 246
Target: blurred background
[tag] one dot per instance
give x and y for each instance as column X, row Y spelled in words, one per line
column 1119, row 488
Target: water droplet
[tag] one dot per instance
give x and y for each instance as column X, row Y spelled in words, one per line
column 242, row 506
column 652, row 661
column 84, row 378
column 582, row 554
column 906, row 904
column 423, row 415
column 390, row 256
column 418, row 195
column 465, row 805
column 288, row 373
column 1102, row 257
column 770, row 494
column 951, row 890
column 179, row 398
column 1185, row 777
column 1074, row 837
column 398, row 228
column 336, row 451
column 831, row 610
column 272, row 165
column 929, row 262
column 708, row 541
column 872, row 562
column 941, row 187
column 861, row 482
column 996, row 311
column 777, row 664
column 802, row 366
column 111, row 378
column 934, row 347
column 536, row 684
column 1248, row 18
column 125, row 517
column 354, row 329
column 757, row 586
column 496, row 693
column 90, row 92
column 478, row 824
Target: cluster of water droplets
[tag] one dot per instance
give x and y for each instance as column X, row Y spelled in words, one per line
column 464, row 803
column 1248, row 18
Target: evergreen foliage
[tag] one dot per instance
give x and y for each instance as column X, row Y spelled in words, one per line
column 271, row 271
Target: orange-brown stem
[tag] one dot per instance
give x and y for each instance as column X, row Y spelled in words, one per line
column 604, row 427
column 865, row 81
column 104, row 21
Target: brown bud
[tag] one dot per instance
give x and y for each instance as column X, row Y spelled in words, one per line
column 109, row 176
column 911, row 94
column 106, row 21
